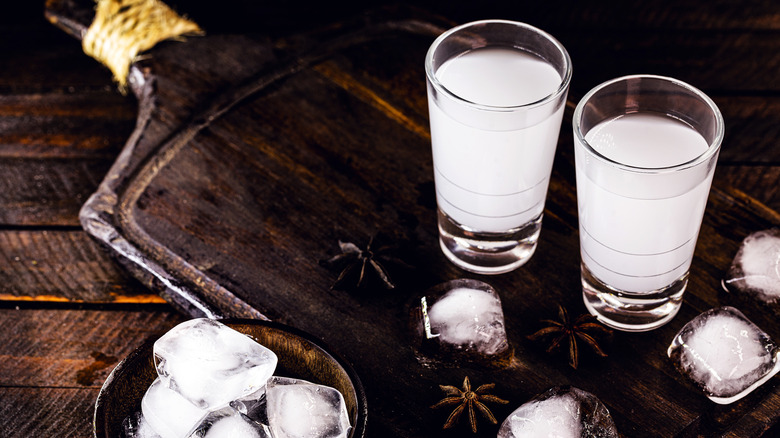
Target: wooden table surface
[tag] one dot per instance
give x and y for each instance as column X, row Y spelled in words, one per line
column 69, row 312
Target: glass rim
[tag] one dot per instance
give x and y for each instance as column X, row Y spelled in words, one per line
column 565, row 79
column 712, row 147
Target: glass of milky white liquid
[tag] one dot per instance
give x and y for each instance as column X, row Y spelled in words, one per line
column 496, row 95
column 645, row 153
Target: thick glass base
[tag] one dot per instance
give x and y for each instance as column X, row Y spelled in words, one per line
column 488, row 253
column 628, row 311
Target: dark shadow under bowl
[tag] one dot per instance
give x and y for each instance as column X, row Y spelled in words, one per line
column 300, row 356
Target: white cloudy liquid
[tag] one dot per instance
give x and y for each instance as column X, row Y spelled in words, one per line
column 491, row 172
column 638, row 232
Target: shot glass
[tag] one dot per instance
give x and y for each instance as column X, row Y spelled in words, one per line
column 496, row 94
column 645, row 153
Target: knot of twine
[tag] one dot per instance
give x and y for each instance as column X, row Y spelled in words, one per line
column 124, row 28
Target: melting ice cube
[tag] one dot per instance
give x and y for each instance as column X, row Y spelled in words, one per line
column 467, row 315
column 229, row 423
column 756, row 267
column 168, row 413
column 560, row 412
column 724, row 354
column 300, row 409
column 210, row 364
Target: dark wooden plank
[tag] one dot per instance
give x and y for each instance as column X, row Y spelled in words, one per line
column 65, row 266
column 72, row 348
column 46, row 192
column 55, row 149
column 55, row 361
column 75, row 125
column 47, row 412
column 762, row 414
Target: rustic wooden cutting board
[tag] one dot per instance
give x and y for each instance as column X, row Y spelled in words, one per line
column 249, row 166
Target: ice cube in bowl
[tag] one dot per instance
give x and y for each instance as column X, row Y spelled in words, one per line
column 210, row 364
column 300, row 355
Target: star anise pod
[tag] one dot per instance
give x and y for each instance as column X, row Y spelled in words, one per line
column 583, row 328
column 360, row 263
column 468, row 400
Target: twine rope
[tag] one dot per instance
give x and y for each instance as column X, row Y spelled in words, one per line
column 124, row 28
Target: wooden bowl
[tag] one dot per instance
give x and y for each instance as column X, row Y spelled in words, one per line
column 300, row 356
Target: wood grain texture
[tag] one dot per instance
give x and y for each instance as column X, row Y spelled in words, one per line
column 46, row 192
column 54, row 362
column 84, row 124
column 760, row 181
column 59, row 131
column 752, row 130
column 63, row 266
column 47, row 412
column 72, row 348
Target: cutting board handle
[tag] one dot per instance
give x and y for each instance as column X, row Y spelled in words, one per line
column 115, row 32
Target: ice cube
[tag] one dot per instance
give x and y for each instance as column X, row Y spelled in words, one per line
column 229, row 423
column 755, row 269
column 136, row 426
column 168, row 413
column 300, row 409
column 468, row 316
column 210, row 364
column 253, row 406
column 560, row 412
column 724, row 354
